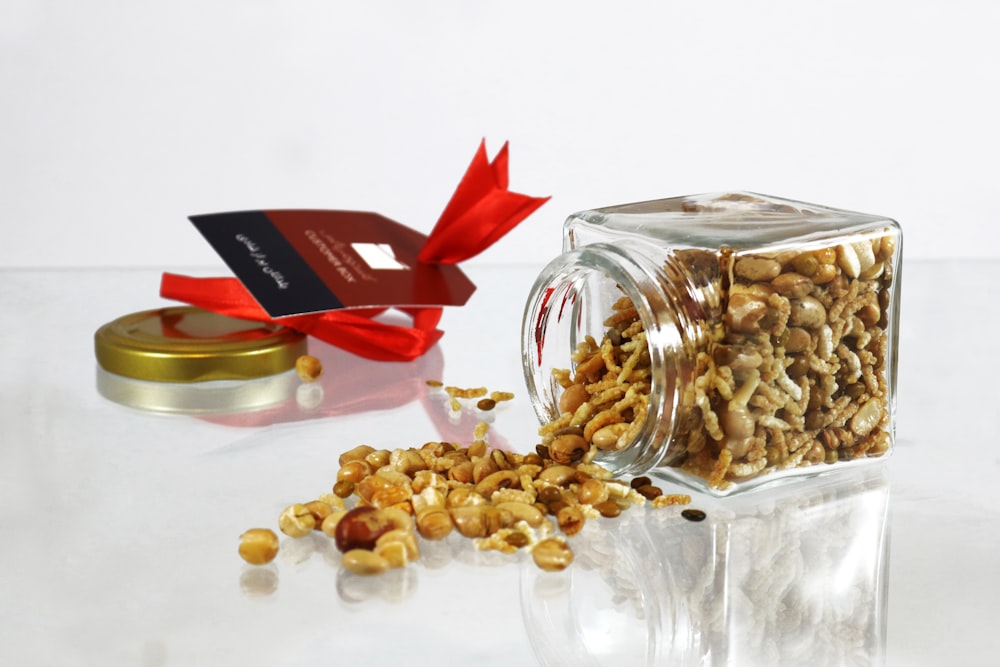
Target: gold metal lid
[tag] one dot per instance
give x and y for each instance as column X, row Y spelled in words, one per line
column 186, row 344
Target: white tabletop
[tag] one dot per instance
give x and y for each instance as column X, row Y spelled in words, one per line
column 120, row 525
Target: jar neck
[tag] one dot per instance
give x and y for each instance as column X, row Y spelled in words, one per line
column 571, row 300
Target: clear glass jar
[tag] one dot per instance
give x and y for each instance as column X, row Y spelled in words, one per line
column 719, row 340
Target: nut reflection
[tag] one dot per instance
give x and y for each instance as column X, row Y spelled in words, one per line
column 257, row 581
column 393, row 586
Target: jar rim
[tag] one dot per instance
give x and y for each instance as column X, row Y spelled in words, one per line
column 560, row 296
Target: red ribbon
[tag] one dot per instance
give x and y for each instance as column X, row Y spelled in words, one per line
column 354, row 330
column 480, row 212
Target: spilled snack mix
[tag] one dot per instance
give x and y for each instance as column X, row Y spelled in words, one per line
column 385, row 502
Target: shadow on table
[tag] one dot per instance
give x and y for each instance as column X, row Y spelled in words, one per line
column 794, row 575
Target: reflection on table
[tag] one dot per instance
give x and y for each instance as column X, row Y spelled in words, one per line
column 785, row 576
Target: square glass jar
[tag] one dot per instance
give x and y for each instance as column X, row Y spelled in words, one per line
column 721, row 340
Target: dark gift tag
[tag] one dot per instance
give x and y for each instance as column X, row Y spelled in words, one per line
column 295, row 262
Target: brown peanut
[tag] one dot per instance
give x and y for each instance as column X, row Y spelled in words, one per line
column 296, row 521
column 567, row 448
column 571, row 519
column 501, row 479
column 356, row 454
column 364, row 562
column 552, row 554
column 530, row 514
column 757, row 269
column 792, row 285
column 258, row 546
column 572, row 398
column 807, row 312
column 434, row 523
column 308, row 368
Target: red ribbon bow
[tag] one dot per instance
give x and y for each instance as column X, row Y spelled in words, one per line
column 480, row 212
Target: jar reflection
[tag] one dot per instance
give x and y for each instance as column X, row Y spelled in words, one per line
column 793, row 575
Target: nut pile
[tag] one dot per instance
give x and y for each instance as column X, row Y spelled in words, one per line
column 384, row 502
column 788, row 370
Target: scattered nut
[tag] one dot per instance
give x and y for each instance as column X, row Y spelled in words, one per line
column 360, row 528
column 296, row 521
column 258, row 546
column 552, row 554
column 364, row 562
column 309, row 368
column 567, row 448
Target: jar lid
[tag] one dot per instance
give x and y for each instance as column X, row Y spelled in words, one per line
column 187, row 344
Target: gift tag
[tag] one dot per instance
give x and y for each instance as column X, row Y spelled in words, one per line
column 295, row 262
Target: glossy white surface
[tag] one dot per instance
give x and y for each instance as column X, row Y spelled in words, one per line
column 121, row 525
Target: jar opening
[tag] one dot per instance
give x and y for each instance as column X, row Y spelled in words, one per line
column 601, row 318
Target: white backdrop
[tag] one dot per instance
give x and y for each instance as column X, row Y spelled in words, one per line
column 119, row 119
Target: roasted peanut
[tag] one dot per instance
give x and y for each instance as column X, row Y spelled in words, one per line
column 792, row 285
column 356, row 454
column 549, row 494
column 523, row 512
column 567, row 448
column 572, row 398
column 296, row 521
column 483, row 468
column 608, row 509
column 463, row 496
column 463, row 473
column 607, row 436
column 364, row 562
column 387, row 543
column 480, row 520
column 736, row 421
column 757, row 269
column 407, row 461
column 552, row 554
column 434, row 523
column 517, row 539
column 807, row 312
column 797, row 340
column 354, row 471
column 329, row 525
column 571, row 519
column 806, row 264
column 367, row 487
column 559, row 475
column 399, row 518
column 867, row 417
column 258, row 546
column 378, row 458
column 308, row 368
column 343, row 488
column 320, row 510
column 501, row 479
column 745, row 312
column 592, row 492
column 824, row 274
column 391, row 495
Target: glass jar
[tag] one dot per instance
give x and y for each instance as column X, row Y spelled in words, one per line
column 719, row 340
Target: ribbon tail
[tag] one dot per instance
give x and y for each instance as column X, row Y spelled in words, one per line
column 354, row 331
column 481, row 210
column 499, row 167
